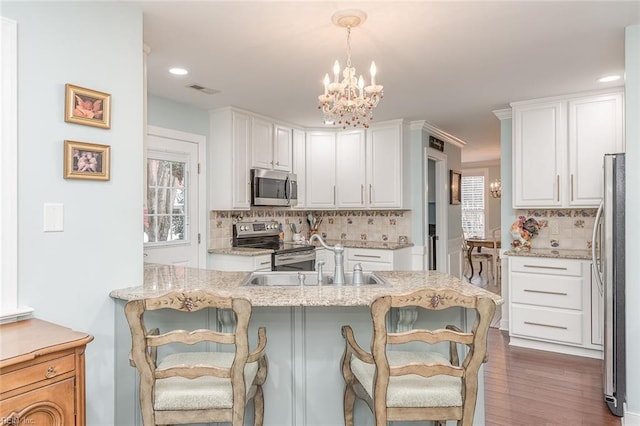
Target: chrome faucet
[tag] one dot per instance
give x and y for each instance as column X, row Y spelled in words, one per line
column 338, row 254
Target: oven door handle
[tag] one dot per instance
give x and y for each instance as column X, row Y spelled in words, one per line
column 287, row 259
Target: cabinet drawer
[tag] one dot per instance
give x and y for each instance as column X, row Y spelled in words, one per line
column 369, row 255
column 545, row 290
column 547, row 324
column 36, row 373
column 540, row 265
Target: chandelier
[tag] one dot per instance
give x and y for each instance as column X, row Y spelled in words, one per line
column 496, row 188
column 349, row 102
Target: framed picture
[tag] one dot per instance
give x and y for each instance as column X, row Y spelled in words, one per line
column 86, row 106
column 455, row 184
column 86, row 160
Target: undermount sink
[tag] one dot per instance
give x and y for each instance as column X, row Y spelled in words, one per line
column 308, row 278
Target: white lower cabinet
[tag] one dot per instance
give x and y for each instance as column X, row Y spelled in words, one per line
column 378, row 259
column 551, row 305
column 233, row 262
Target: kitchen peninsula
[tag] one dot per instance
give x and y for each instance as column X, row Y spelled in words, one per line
column 304, row 343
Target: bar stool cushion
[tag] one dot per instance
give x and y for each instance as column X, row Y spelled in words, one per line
column 413, row 390
column 201, row 393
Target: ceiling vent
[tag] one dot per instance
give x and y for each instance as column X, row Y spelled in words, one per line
column 203, row 89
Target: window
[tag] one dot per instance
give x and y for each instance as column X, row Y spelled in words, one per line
column 166, row 218
column 473, row 203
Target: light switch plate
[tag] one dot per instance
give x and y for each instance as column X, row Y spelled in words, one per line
column 555, row 230
column 53, row 217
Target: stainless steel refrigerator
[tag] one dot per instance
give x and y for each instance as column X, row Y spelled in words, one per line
column 609, row 263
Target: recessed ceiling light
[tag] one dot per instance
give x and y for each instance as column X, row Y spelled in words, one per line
column 609, row 78
column 178, row 71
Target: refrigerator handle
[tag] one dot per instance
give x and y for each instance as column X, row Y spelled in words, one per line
column 594, row 258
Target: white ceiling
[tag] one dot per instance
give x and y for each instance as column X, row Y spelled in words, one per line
column 450, row 63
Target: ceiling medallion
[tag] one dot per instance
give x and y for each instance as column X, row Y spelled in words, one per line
column 349, row 102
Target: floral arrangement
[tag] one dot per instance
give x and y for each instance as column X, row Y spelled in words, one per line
column 523, row 230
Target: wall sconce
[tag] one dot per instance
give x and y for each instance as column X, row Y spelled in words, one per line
column 496, row 188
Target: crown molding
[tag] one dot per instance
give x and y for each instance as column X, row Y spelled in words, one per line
column 503, row 114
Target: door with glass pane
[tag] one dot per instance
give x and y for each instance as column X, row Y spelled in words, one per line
column 170, row 216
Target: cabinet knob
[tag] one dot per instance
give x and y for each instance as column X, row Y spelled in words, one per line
column 51, row 372
column 277, row 163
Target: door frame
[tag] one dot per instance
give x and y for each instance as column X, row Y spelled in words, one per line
column 200, row 141
column 441, row 186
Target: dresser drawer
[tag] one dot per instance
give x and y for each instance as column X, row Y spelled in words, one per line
column 547, row 324
column 541, row 265
column 48, row 370
column 547, row 290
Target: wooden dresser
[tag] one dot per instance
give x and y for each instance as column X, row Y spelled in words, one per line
column 42, row 374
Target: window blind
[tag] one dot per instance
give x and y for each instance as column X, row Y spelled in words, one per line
column 473, row 206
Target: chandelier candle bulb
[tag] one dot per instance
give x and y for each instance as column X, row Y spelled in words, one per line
column 373, row 73
column 336, row 71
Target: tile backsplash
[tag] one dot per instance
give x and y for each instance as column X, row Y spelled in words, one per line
column 569, row 229
column 353, row 225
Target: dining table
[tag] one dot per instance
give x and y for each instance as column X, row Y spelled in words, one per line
column 479, row 243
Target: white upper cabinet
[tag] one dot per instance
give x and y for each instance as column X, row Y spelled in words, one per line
column 558, row 148
column 271, row 145
column 261, row 143
column 350, row 169
column 595, row 129
column 385, row 166
column 229, row 157
column 356, row 169
column 282, row 145
column 299, row 166
column 538, row 152
column 321, row 170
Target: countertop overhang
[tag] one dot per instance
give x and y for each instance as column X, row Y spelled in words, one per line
column 161, row 279
column 551, row 253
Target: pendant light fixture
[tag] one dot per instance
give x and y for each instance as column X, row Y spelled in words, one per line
column 349, row 102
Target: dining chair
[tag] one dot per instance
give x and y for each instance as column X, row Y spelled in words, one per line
column 480, row 257
column 197, row 387
column 403, row 385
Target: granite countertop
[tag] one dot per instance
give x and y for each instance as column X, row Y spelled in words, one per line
column 551, row 253
column 380, row 245
column 161, row 279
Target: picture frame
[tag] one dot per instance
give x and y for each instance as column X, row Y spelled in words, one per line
column 87, row 107
column 83, row 160
column 455, row 185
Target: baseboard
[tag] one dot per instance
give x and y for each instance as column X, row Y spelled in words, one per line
column 554, row 347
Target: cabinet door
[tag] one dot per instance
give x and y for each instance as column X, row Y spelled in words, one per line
column 321, row 169
column 539, row 135
column 262, row 144
column 49, row 405
column 282, row 152
column 350, row 169
column 241, row 196
column 595, row 128
column 299, row 166
column 384, row 166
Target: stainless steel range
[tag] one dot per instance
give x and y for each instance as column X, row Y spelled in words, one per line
column 264, row 235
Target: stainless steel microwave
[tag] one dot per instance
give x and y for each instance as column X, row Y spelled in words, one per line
column 273, row 188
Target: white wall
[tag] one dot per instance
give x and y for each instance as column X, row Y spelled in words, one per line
column 67, row 276
column 632, row 105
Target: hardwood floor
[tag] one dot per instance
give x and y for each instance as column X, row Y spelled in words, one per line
column 530, row 387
